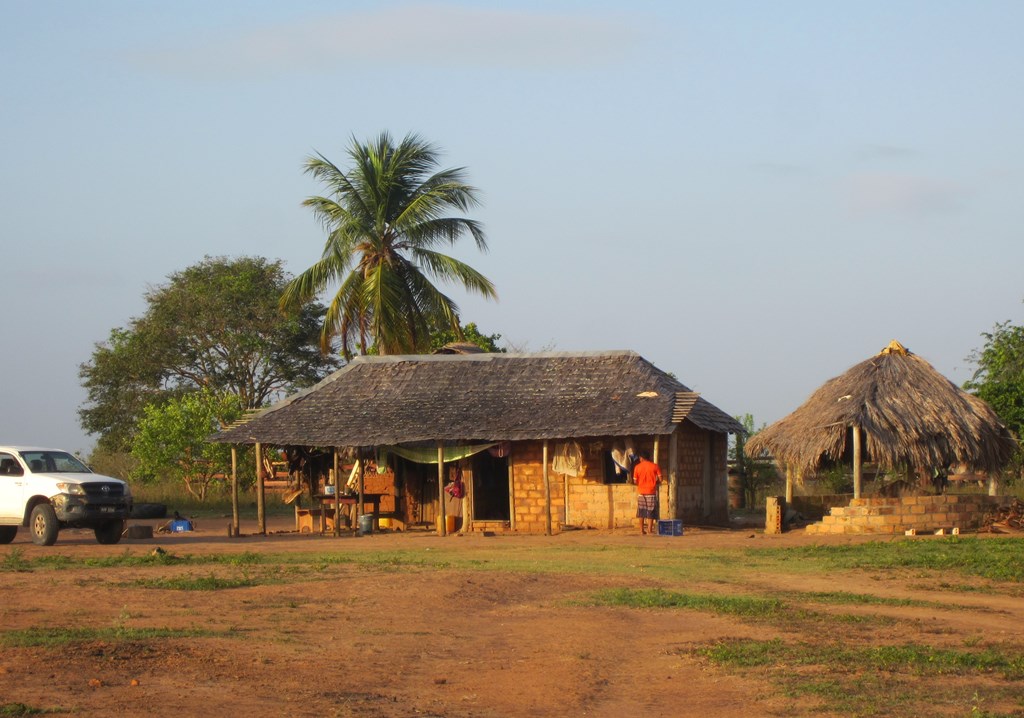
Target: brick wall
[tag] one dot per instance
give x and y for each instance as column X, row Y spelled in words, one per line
column 924, row 514
column 594, row 504
column 529, row 510
column 694, row 451
column 815, row 507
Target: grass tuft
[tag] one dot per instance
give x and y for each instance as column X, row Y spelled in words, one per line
column 200, row 583
column 746, row 606
column 50, row 637
column 20, row 709
column 996, row 559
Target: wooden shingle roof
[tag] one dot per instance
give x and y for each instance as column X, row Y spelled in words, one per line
column 388, row 400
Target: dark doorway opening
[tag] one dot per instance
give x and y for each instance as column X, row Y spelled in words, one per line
column 490, row 487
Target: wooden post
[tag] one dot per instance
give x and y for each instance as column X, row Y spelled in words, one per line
column 708, row 477
column 993, row 485
column 547, row 493
column 234, row 490
column 511, row 495
column 654, row 458
column 261, row 514
column 362, row 475
column 442, row 521
column 673, row 475
column 336, row 467
column 789, row 484
column 467, row 505
column 857, row 462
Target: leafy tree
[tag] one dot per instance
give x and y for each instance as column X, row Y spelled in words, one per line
column 172, row 439
column 470, row 333
column 385, row 217
column 999, row 378
column 216, row 325
column 755, row 474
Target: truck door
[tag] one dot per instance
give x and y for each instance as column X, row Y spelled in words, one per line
column 12, row 489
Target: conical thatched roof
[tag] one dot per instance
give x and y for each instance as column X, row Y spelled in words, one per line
column 909, row 414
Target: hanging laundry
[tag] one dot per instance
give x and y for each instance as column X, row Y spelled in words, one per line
column 568, row 459
column 456, row 488
column 625, row 458
column 500, row 450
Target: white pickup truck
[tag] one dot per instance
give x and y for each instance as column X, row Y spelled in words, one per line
column 49, row 489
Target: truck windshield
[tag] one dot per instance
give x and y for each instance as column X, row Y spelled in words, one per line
column 54, row 462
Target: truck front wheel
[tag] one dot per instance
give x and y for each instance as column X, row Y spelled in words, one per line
column 109, row 531
column 43, row 525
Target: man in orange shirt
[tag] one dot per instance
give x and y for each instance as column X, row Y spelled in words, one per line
column 646, row 476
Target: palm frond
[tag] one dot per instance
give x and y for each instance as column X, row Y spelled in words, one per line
column 384, row 216
column 448, row 268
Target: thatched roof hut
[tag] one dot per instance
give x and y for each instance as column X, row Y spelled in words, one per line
column 385, row 400
column 895, row 410
column 422, row 408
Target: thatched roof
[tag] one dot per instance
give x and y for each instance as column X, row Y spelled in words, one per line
column 460, row 348
column 909, row 415
column 388, row 400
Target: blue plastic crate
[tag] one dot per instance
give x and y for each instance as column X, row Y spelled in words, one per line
column 181, row 525
column 673, row 527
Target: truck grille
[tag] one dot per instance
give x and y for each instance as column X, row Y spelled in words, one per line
column 103, row 490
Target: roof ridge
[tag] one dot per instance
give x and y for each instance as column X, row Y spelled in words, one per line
column 488, row 356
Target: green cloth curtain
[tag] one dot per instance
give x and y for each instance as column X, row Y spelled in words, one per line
column 428, row 454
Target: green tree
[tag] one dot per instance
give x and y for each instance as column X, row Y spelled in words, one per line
column 999, row 377
column 217, row 325
column 755, row 474
column 172, row 440
column 385, row 218
column 470, row 333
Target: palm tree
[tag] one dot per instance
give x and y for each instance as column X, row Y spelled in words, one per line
column 385, row 218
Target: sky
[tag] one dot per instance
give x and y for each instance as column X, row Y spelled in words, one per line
column 754, row 196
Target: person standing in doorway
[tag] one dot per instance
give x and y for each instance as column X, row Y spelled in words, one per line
column 646, row 476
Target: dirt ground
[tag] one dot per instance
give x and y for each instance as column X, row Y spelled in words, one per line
column 345, row 639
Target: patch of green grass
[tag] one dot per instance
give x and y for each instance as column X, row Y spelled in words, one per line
column 845, row 597
column 867, row 680
column 996, row 559
column 908, row 658
column 398, row 560
column 20, row 709
column 15, row 560
column 747, row 606
column 56, row 637
column 201, row 583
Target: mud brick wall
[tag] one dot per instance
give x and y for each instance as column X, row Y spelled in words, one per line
column 815, row 507
column 528, row 486
column 693, row 453
column 604, row 506
column 595, row 504
column 924, row 514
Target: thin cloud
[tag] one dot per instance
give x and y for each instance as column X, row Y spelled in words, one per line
column 888, row 152
column 419, row 34
column 904, row 194
column 780, row 169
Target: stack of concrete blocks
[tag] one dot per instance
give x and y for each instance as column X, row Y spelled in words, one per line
column 917, row 514
column 775, row 511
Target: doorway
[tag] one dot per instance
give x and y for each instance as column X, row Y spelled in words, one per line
column 490, row 487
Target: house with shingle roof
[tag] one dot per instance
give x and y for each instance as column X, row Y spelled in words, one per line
column 538, row 441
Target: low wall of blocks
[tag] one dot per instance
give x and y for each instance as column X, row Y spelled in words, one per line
column 918, row 514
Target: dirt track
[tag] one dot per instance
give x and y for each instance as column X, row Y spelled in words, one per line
column 345, row 639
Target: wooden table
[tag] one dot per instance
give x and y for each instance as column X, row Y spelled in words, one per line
column 348, row 503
